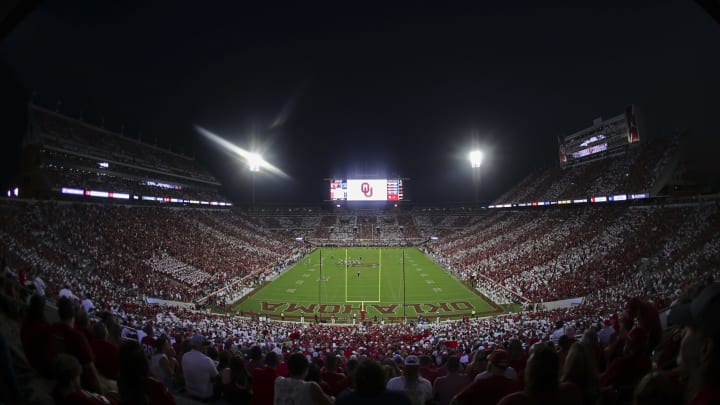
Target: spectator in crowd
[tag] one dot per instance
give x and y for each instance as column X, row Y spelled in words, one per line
column 427, row 369
column 606, row 333
column 518, row 357
column 415, row 387
column 147, row 342
column 135, row 384
column 369, row 382
column 67, row 293
column 335, row 380
column 163, row 363
column 647, row 318
column 542, row 382
column 66, row 371
column 256, row 358
column 294, row 389
column 700, row 347
column 580, row 369
column 590, row 341
column 106, row 353
column 237, row 383
column 490, row 387
column 263, row 380
column 199, row 371
column 34, row 335
column 625, row 372
column 9, row 391
column 656, row 388
column 65, row 339
column 447, row 386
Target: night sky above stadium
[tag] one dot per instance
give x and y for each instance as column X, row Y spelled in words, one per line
column 351, row 89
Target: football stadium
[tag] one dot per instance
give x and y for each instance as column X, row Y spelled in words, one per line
column 137, row 273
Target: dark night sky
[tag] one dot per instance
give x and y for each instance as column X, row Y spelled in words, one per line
column 364, row 88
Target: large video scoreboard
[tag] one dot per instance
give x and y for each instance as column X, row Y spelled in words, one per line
column 604, row 138
column 366, row 190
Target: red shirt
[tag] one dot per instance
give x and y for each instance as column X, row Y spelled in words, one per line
column 263, row 386
column 335, row 381
column 64, row 339
column 34, row 336
column 157, row 392
column 488, row 390
column 148, row 345
column 626, row 371
column 106, row 358
column 567, row 394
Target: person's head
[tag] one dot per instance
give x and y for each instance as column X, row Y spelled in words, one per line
column 36, row 309
column 331, row 362
column 498, row 362
column 66, row 309
column 369, row 378
column 633, row 306
column 255, row 353
column 199, row 343
column 412, row 367
column 657, row 389
column 590, row 337
column 99, row 330
column 313, row 372
column 564, row 343
column 66, row 370
column 162, row 344
column 271, row 359
column 298, row 365
column 425, row 361
column 81, row 318
column 133, row 371
column 515, row 349
column 580, row 369
column 238, row 370
column 700, row 346
column 542, row 371
column 453, row 364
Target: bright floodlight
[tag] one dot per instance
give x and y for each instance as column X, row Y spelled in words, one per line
column 254, row 161
column 476, row 158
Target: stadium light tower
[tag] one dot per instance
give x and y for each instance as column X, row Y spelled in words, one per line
column 476, row 159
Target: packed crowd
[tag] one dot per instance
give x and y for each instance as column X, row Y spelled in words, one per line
column 127, row 253
column 538, row 255
column 633, row 172
column 617, row 339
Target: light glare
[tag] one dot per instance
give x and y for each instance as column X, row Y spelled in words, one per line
column 476, row 158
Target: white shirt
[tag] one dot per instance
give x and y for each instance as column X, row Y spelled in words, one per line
column 292, row 391
column 419, row 393
column 87, row 305
column 509, row 373
column 39, row 286
column 67, row 293
column 198, row 370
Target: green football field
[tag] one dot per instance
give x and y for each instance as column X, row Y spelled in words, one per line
column 351, row 281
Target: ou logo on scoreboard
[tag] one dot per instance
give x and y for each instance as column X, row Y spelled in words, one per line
column 366, row 189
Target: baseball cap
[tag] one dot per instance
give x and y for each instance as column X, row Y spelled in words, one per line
column 700, row 313
column 499, row 358
column 412, row 360
column 198, row 340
